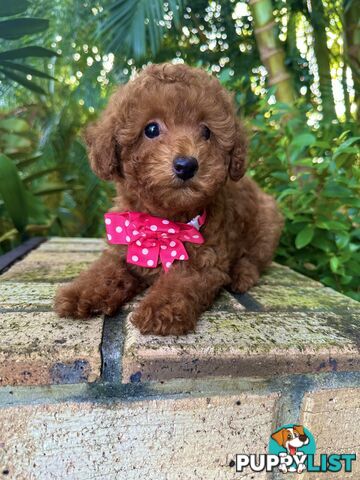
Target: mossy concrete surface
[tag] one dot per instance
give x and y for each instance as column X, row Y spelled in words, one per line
column 286, row 324
column 297, row 326
column 187, row 405
column 40, row 348
column 40, row 266
column 37, row 347
column 23, row 296
column 57, row 244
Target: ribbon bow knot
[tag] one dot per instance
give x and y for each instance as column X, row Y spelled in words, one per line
column 152, row 238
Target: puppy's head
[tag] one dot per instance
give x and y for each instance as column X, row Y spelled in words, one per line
column 170, row 136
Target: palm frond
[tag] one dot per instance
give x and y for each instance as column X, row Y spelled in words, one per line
column 137, row 26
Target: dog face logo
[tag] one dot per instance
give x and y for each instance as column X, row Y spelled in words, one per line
column 292, row 441
column 291, row 438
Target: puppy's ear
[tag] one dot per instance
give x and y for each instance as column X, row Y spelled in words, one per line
column 279, row 437
column 237, row 165
column 104, row 151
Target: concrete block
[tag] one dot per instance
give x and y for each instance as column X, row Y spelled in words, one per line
column 301, row 296
column 57, row 244
column 333, row 417
column 179, row 438
column 40, row 266
column 244, row 344
column 27, row 296
column 40, row 348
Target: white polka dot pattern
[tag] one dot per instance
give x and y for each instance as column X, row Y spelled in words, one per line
column 151, row 239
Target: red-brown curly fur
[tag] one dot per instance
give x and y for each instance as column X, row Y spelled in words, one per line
column 242, row 226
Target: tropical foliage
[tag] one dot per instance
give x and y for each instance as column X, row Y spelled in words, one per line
column 293, row 66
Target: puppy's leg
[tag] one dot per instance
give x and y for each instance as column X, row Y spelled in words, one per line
column 177, row 298
column 103, row 288
column 244, row 275
column 262, row 239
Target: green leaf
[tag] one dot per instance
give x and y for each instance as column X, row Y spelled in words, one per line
column 39, row 174
column 26, row 52
column 304, row 237
column 14, row 125
column 133, row 25
column 12, row 7
column 19, row 27
column 28, row 161
column 331, row 225
column 12, row 191
column 24, row 68
column 13, row 142
column 333, row 189
column 342, row 239
column 303, row 140
column 38, row 213
column 51, row 188
column 334, row 264
column 23, row 81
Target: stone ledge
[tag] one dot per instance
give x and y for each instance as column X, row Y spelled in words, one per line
column 38, row 349
column 57, row 244
column 287, row 324
column 245, row 344
column 296, row 326
column 180, row 438
column 333, row 416
column 39, row 266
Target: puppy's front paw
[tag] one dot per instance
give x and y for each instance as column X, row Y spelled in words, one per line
column 244, row 276
column 69, row 302
column 163, row 318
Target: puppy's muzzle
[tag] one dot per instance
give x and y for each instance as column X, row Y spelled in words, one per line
column 185, row 167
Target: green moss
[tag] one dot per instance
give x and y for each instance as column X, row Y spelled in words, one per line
column 45, row 272
column 295, row 297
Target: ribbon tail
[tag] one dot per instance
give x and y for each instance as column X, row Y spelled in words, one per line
column 170, row 254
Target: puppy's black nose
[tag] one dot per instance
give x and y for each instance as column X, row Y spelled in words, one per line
column 185, row 167
column 303, row 438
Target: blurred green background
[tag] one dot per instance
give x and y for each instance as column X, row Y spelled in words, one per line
column 293, row 66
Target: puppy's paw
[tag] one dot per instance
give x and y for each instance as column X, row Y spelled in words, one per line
column 70, row 302
column 244, row 276
column 78, row 302
column 154, row 317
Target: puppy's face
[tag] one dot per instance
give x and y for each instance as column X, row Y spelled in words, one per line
column 171, row 137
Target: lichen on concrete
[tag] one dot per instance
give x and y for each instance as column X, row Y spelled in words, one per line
column 41, row 266
column 33, row 343
column 73, row 245
column 26, row 296
column 301, row 297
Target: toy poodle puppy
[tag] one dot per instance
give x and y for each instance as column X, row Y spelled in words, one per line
column 185, row 222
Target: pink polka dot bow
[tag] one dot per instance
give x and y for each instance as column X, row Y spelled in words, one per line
column 150, row 238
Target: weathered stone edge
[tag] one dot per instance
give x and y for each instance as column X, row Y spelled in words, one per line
column 141, row 368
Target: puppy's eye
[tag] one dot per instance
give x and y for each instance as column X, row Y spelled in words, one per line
column 205, row 132
column 152, row 130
